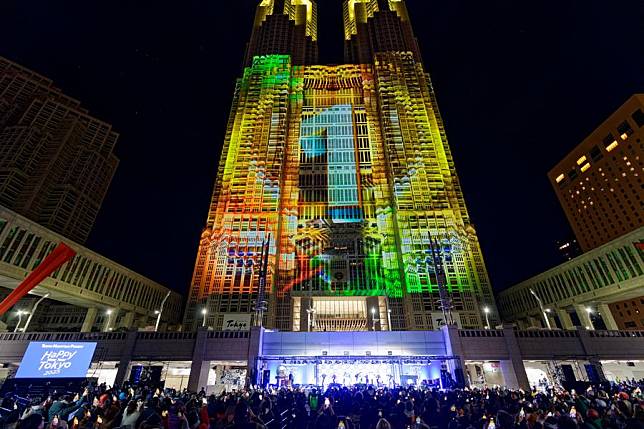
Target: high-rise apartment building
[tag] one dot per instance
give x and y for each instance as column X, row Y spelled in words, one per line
column 56, row 161
column 599, row 183
column 345, row 170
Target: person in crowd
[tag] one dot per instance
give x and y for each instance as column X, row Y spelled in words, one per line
column 130, row 415
column 605, row 406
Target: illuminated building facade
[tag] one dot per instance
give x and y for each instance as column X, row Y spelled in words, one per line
column 347, row 171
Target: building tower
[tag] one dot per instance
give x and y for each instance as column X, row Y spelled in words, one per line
column 348, row 170
column 599, row 183
column 56, row 161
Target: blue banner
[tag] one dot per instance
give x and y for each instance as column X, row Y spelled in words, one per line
column 51, row 359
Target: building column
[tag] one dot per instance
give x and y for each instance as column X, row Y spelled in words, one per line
column 126, row 357
column 454, row 348
column 607, row 317
column 128, row 320
column 584, row 317
column 199, row 368
column 255, row 338
column 514, row 372
column 90, row 318
column 110, row 319
column 591, row 353
column 564, row 318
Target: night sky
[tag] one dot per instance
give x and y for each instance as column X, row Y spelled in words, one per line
column 519, row 85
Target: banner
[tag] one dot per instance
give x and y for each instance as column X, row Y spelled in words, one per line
column 236, row 322
column 51, row 359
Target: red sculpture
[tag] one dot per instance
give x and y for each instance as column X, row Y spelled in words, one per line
column 61, row 254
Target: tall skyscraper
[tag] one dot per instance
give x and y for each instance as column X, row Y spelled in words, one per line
column 599, row 183
column 345, row 170
column 56, row 161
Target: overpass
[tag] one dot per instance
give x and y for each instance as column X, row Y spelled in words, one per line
column 584, row 287
column 89, row 280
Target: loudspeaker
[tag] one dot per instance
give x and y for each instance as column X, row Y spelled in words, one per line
column 266, row 377
column 595, row 373
column 568, row 373
column 460, row 378
column 445, row 379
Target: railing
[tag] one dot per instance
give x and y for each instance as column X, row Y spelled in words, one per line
column 108, row 336
column 228, row 334
column 62, row 336
column 544, row 333
column 480, row 333
column 612, row 334
column 166, row 335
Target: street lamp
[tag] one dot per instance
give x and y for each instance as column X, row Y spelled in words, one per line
column 109, row 320
column 589, row 311
column 33, row 311
column 204, row 312
column 486, row 310
column 543, row 311
column 389, row 319
column 310, row 314
column 373, row 318
column 159, row 311
column 19, row 313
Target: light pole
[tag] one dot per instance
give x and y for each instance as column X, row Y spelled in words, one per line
column 19, row 313
column 159, row 312
column 590, row 321
column 33, row 311
column 204, row 312
column 543, row 310
column 486, row 310
column 389, row 319
column 109, row 320
column 310, row 313
column 373, row 318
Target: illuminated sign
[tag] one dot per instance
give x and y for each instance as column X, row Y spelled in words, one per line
column 51, row 359
column 236, row 322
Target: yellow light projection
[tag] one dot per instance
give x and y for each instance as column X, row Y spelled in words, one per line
column 348, row 168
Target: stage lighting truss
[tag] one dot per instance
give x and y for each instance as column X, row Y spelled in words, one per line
column 358, row 360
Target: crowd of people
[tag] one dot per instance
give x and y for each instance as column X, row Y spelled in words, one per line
column 614, row 406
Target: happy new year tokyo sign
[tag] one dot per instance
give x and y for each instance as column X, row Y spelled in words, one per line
column 48, row 359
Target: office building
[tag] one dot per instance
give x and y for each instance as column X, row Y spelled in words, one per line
column 599, row 183
column 345, row 173
column 56, row 161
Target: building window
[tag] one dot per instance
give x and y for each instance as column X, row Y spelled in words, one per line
column 596, row 154
column 572, row 174
column 624, row 130
column 608, row 140
column 638, row 117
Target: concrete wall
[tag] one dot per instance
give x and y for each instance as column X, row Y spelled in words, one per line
column 377, row 343
column 508, row 346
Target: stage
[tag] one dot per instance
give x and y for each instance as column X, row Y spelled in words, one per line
column 378, row 371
